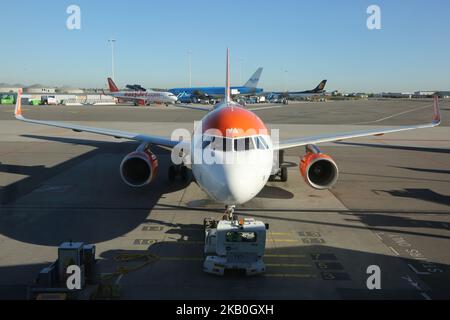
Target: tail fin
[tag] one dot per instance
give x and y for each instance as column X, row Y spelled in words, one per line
column 254, row 79
column 18, row 109
column 321, row 86
column 112, row 85
column 437, row 111
column 227, row 85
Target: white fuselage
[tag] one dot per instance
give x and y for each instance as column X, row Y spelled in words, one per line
column 147, row 96
column 238, row 181
column 232, row 172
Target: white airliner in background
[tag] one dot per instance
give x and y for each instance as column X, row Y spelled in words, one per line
column 141, row 97
column 237, row 131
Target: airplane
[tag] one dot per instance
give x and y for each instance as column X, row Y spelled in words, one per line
column 240, row 146
column 141, row 96
column 200, row 93
column 317, row 91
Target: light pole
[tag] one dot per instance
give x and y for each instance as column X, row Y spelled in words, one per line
column 112, row 41
column 285, row 79
column 240, row 70
column 190, row 68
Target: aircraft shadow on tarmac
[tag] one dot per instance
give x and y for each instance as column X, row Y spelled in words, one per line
column 421, row 194
column 272, row 192
column 307, row 271
column 382, row 220
column 425, row 170
column 374, row 226
column 318, row 272
column 106, row 210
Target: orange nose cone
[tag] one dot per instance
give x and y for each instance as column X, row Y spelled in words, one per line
column 234, row 122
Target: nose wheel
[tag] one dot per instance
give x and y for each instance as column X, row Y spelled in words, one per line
column 178, row 171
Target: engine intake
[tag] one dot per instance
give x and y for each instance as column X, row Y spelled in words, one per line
column 319, row 170
column 139, row 168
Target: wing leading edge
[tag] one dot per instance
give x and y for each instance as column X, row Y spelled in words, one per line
column 157, row 140
column 298, row 142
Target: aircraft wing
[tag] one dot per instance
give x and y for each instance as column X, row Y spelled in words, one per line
column 160, row 141
column 297, row 142
column 193, row 107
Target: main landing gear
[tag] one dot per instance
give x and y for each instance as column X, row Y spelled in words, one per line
column 282, row 173
column 179, row 170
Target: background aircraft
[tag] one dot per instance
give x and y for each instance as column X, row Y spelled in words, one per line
column 140, row 96
column 206, row 93
column 317, row 91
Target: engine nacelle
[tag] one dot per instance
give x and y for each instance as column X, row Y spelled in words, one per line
column 319, row 170
column 139, row 168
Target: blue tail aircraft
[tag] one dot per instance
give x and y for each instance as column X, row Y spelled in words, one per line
column 197, row 93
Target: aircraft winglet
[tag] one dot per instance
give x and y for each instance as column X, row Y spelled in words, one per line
column 18, row 109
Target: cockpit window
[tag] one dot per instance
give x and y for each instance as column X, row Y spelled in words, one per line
column 219, row 143
column 229, row 144
column 207, row 141
column 243, row 144
column 261, row 143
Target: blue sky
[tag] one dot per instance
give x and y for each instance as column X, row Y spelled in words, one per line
column 297, row 42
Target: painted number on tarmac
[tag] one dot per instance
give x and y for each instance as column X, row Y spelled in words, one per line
column 152, row 228
column 313, row 240
column 323, row 256
column 338, row 276
column 143, row 242
column 329, row 266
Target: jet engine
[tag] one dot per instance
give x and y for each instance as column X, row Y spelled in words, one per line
column 139, row 168
column 319, row 170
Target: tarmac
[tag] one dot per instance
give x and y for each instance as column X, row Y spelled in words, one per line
column 390, row 207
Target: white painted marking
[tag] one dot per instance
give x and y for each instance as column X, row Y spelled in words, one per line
column 378, row 236
column 416, row 271
column 118, row 279
column 412, row 282
column 427, row 297
column 394, row 251
column 264, row 108
column 394, row 115
column 49, row 188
